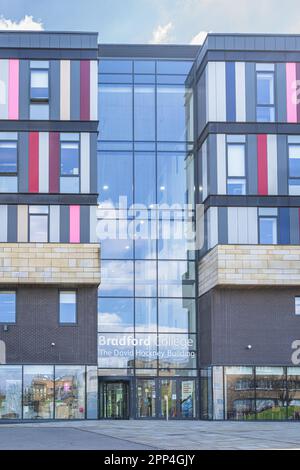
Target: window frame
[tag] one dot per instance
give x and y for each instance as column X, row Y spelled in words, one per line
column 290, row 144
column 271, row 72
column 39, row 214
column 265, row 217
column 79, row 162
column 39, row 100
column 11, row 173
column 238, row 178
column 4, row 291
column 73, row 323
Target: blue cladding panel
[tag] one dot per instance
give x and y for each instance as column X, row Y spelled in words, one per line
column 55, row 89
column 24, row 85
column 230, row 91
column 12, row 224
column 284, row 226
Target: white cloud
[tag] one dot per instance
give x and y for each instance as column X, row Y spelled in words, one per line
column 199, row 38
column 162, row 34
column 27, row 23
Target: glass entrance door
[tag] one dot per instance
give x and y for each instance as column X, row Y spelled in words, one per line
column 177, row 398
column 146, row 398
column 114, row 400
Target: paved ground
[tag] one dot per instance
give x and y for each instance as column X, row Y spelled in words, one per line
column 150, row 435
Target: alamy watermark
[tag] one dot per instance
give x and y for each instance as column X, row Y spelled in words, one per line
column 177, row 222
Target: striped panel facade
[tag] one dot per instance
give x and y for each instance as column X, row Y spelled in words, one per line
column 266, row 164
column 230, row 92
column 67, row 224
column 72, row 87
column 240, row 226
column 225, row 92
column 39, row 161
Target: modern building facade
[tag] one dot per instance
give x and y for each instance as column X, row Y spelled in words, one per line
column 50, row 263
column 135, row 149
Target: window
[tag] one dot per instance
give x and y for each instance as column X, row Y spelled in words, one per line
column 38, row 223
column 7, row 307
column 67, row 307
column 265, row 110
column 268, row 226
column 236, row 181
column 8, row 163
column 39, row 89
column 174, row 113
column 116, row 112
column 297, row 305
column 113, row 184
column 294, row 169
column 69, row 163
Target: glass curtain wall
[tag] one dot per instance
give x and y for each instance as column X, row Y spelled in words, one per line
column 251, row 393
column 48, row 392
column 146, row 319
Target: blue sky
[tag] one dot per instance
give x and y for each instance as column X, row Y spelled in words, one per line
column 158, row 21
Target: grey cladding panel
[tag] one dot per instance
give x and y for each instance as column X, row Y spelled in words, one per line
column 282, row 164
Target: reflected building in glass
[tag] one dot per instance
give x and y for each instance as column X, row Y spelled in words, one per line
column 147, row 298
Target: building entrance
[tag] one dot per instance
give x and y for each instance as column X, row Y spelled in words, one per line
column 114, row 400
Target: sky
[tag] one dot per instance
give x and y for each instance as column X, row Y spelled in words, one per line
column 152, row 21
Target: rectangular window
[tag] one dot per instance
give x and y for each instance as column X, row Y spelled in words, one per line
column 265, row 110
column 9, row 164
column 294, row 169
column 297, row 305
column 39, row 85
column 69, row 163
column 236, row 181
column 38, row 224
column 67, row 307
column 7, row 307
column 39, row 90
column 267, row 230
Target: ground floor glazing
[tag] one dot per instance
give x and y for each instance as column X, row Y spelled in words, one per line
column 29, row 392
column 250, row 393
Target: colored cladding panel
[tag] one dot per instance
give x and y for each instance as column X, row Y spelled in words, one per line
column 272, row 165
column 3, row 225
column 13, row 89
column 43, row 162
column 54, row 162
column 65, row 84
column 284, row 226
column 211, row 92
column 74, row 224
column 85, row 90
column 240, row 82
column 291, row 104
column 221, row 91
column 297, row 92
column 54, row 231
column 93, row 90
column 230, row 91
column 75, row 90
column 3, row 89
column 262, row 164
column 22, row 223
column 33, row 185
column 221, row 163
column 93, row 224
